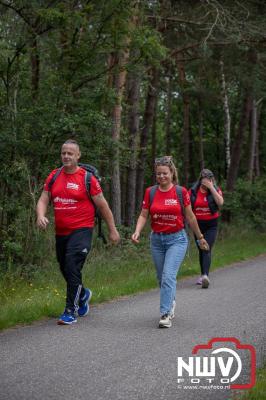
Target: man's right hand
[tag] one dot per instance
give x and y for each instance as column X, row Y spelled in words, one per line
column 114, row 236
column 42, row 222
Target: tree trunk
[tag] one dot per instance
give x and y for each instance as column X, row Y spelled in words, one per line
column 238, row 143
column 244, row 118
column 227, row 119
column 186, row 122
column 154, row 142
column 253, row 140
column 35, row 67
column 257, row 154
column 147, row 124
column 201, row 149
column 119, row 84
column 133, row 129
column 168, row 146
column 254, row 169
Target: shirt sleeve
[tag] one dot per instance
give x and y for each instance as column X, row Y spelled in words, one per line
column 146, row 200
column 95, row 187
column 186, row 197
column 47, row 180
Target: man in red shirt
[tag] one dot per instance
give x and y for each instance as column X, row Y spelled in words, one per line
column 74, row 214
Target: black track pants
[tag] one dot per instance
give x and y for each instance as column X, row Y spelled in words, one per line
column 71, row 252
column 209, row 230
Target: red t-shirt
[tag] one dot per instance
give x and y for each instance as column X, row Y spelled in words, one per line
column 165, row 210
column 201, row 206
column 73, row 208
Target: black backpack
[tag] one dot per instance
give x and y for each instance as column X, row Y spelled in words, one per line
column 90, row 170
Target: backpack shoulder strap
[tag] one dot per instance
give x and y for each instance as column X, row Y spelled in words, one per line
column 52, row 181
column 180, row 197
column 152, row 193
column 88, row 182
column 193, row 194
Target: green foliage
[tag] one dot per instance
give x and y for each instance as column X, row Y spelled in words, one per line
column 258, row 392
column 66, row 46
column 247, row 204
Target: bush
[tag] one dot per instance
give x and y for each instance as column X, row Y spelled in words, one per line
column 247, row 204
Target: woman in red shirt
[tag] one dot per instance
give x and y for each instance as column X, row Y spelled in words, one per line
column 206, row 199
column 168, row 238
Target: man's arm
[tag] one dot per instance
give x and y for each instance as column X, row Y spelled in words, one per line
column 41, row 210
column 107, row 215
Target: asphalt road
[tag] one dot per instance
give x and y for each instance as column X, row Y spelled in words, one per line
column 118, row 353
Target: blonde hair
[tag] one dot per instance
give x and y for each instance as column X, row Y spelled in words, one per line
column 168, row 162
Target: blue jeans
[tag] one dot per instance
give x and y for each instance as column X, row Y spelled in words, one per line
column 168, row 252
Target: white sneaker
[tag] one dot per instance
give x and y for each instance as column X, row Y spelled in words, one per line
column 205, row 282
column 172, row 312
column 165, row 321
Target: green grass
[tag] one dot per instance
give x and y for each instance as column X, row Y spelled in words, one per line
column 30, row 293
column 258, row 392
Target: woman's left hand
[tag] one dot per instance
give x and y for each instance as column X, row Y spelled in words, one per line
column 203, row 244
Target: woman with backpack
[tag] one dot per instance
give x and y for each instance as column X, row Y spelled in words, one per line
column 206, row 199
column 168, row 238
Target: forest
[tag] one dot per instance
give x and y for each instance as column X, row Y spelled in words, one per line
column 130, row 81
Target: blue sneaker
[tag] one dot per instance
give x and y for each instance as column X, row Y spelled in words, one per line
column 84, row 307
column 67, row 318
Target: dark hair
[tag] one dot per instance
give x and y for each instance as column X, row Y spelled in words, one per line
column 206, row 173
column 167, row 161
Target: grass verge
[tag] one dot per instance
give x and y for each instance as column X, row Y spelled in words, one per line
column 30, row 293
column 258, row 392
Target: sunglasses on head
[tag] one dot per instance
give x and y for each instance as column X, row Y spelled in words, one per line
column 207, row 175
column 166, row 160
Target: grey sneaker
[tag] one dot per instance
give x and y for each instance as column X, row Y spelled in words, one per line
column 199, row 281
column 205, row 282
column 172, row 312
column 165, row 321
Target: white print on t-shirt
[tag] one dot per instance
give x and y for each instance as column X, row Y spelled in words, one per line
column 164, row 223
column 61, row 200
column 65, row 208
column 170, row 202
column 203, row 209
column 71, row 185
column 170, row 217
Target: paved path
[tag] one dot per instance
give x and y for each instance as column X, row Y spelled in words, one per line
column 118, row 353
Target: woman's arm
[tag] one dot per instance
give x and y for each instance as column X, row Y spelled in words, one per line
column 217, row 197
column 140, row 225
column 191, row 219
